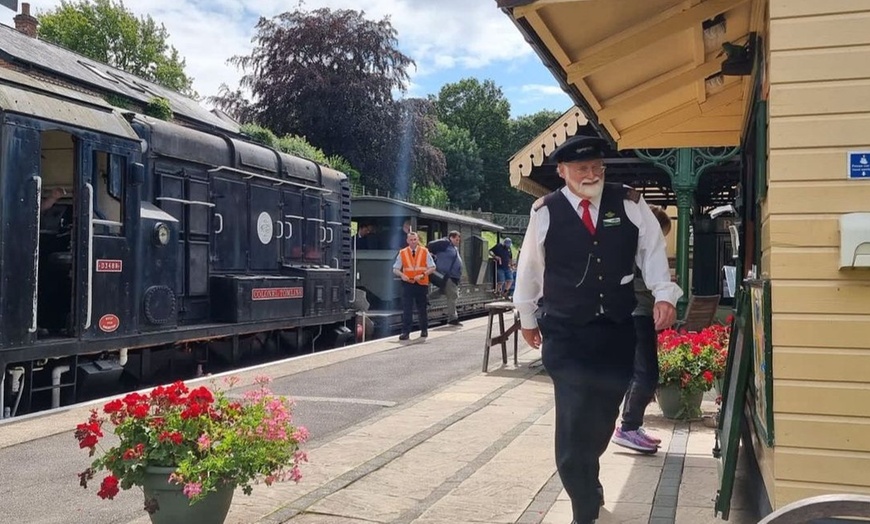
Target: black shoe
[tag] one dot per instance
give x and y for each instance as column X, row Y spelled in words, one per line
column 424, row 334
column 404, row 337
column 601, row 495
column 455, row 323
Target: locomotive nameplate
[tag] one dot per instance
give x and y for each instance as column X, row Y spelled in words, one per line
column 275, row 293
column 109, row 266
column 109, row 323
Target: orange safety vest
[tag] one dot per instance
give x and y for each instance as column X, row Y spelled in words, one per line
column 411, row 268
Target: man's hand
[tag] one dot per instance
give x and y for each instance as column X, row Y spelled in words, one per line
column 664, row 315
column 532, row 337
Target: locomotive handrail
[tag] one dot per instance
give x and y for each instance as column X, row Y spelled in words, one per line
column 33, row 323
column 90, row 189
column 281, row 234
column 331, row 235
column 322, row 233
column 221, row 223
column 101, row 222
column 188, row 202
column 276, row 181
column 290, row 227
column 294, row 216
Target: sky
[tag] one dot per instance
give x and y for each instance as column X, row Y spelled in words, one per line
column 448, row 40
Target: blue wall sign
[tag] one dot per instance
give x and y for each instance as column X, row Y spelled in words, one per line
column 859, row 165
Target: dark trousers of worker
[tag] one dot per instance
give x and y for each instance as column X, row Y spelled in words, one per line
column 414, row 295
column 590, row 366
column 646, row 374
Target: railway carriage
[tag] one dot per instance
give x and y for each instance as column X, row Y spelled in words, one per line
column 379, row 288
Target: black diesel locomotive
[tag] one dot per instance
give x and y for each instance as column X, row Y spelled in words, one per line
column 131, row 247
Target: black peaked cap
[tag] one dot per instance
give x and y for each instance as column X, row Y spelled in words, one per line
column 578, row 148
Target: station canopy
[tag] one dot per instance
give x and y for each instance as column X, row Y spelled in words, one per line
column 648, row 74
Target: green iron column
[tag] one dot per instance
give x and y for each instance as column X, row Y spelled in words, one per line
column 685, row 166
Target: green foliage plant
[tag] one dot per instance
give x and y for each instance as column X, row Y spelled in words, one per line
column 299, row 146
column 210, row 439
column 159, row 107
column 430, row 195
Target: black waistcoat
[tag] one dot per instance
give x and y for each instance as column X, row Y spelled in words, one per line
column 583, row 272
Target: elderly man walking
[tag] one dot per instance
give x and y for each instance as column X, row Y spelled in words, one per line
column 579, row 256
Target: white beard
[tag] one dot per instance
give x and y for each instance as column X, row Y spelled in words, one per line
column 587, row 191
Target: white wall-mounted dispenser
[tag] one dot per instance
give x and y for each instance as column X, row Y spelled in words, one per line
column 855, row 240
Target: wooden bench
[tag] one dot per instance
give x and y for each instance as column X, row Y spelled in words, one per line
column 821, row 507
column 499, row 309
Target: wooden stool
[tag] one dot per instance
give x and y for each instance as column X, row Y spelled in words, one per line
column 500, row 308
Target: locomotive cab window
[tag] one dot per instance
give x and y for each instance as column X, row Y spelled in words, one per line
column 108, row 182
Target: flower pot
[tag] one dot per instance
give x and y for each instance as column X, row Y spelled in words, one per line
column 679, row 404
column 173, row 506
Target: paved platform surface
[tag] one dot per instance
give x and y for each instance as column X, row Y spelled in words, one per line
column 474, row 450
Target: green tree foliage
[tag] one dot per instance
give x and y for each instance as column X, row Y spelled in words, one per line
column 106, row 31
column 298, row 146
column 464, row 166
column 328, row 75
column 430, row 195
column 483, row 110
column 525, row 128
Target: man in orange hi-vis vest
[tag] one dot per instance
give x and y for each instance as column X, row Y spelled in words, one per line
column 413, row 265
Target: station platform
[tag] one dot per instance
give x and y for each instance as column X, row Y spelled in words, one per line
column 474, row 449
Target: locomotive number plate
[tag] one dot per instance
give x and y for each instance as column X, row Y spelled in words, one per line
column 276, row 293
column 109, row 266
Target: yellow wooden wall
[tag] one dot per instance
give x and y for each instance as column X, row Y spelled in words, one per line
column 819, row 74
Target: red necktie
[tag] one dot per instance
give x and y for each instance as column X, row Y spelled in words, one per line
column 587, row 217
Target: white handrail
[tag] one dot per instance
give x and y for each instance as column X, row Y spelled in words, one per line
column 276, row 181
column 90, row 189
column 33, row 326
column 187, row 202
column 221, row 223
column 281, row 234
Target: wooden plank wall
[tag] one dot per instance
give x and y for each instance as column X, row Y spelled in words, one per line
column 819, row 109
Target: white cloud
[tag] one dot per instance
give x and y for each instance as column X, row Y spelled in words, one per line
column 542, row 89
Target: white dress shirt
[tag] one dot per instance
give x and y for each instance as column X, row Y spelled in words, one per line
column 651, row 256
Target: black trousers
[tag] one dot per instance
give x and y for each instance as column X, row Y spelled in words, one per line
column 590, row 366
column 414, row 295
column 646, row 374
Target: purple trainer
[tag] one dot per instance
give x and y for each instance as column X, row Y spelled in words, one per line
column 655, row 440
column 633, row 440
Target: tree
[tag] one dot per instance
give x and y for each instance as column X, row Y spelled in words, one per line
column 464, row 167
column 106, row 31
column 483, row 110
column 525, row 128
column 412, row 144
column 328, row 75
